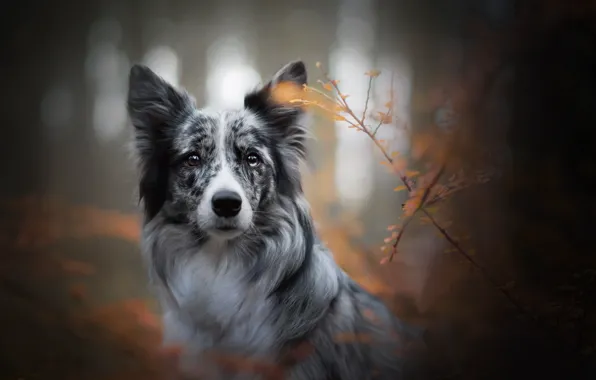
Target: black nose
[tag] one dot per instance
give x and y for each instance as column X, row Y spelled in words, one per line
column 226, row 203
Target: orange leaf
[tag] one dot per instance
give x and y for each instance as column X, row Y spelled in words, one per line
column 412, row 173
column 373, row 73
column 399, row 165
column 400, row 188
column 412, row 205
column 384, row 118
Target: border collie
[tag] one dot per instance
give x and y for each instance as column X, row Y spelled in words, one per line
column 231, row 247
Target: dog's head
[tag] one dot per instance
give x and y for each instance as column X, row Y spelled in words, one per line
column 217, row 170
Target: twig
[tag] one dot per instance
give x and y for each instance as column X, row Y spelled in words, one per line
column 389, row 107
column 421, row 207
column 370, row 80
column 479, row 267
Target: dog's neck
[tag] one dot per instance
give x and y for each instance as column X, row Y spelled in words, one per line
column 272, row 277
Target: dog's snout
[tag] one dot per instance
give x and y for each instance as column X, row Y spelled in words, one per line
column 226, row 203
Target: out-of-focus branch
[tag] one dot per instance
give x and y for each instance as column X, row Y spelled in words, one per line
column 425, row 198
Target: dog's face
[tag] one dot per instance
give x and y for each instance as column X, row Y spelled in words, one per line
column 217, row 170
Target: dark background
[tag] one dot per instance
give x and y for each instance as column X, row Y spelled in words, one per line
column 73, row 296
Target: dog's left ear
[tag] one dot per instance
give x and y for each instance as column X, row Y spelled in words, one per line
column 294, row 72
column 282, row 117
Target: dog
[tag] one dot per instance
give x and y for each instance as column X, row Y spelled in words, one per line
column 230, row 244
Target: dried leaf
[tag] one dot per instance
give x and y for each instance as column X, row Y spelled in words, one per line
column 399, row 165
column 373, row 73
column 400, row 188
column 412, row 205
column 384, row 118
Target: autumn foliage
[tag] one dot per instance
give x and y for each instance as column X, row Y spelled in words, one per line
column 425, row 191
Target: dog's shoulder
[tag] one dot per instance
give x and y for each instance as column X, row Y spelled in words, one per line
column 359, row 338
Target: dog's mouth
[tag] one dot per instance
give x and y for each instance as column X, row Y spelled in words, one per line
column 226, row 228
column 226, row 231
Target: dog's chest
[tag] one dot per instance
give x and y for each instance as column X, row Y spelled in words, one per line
column 220, row 306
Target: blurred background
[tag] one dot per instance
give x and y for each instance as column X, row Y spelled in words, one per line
column 495, row 78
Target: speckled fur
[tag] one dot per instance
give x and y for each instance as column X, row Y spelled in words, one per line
column 271, row 287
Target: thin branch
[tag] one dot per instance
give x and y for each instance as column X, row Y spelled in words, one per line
column 479, row 267
column 389, row 107
column 421, row 207
column 370, row 80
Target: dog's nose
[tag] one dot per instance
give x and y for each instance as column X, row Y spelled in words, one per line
column 226, row 203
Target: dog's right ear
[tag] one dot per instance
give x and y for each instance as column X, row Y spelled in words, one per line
column 155, row 107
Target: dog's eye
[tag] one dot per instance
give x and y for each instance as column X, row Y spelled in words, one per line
column 193, row 160
column 253, row 160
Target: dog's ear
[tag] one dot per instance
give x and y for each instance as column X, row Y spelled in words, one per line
column 281, row 117
column 155, row 107
column 284, row 121
column 294, row 72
